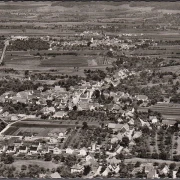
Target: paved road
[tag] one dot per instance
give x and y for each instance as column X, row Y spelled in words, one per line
column 134, row 160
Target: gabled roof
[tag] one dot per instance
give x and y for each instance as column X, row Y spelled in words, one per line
column 77, row 167
column 10, row 148
column 22, row 148
column 33, row 148
column 55, row 175
column 115, row 126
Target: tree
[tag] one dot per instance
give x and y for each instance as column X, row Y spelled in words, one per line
column 74, row 108
column 23, row 167
column 26, row 73
column 47, row 157
column 84, row 125
column 137, row 164
column 125, row 141
column 172, row 166
column 87, row 169
column 8, row 159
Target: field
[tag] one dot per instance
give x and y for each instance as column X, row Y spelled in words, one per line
column 167, row 109
column 46, row 164
column 41, row 128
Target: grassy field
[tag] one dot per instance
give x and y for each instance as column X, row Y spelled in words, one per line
column 46, row 164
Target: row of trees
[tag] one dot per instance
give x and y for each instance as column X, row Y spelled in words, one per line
column 30, row 44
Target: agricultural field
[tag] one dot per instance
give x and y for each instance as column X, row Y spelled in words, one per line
column 41, row 128
column 167, row 109
column 35, row 131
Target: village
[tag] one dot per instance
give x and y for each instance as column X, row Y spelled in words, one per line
column 89, row 90
column 64, row 124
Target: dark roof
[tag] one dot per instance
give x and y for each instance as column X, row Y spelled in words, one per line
column 33, row 148
column 22, row 148
column 10, row 148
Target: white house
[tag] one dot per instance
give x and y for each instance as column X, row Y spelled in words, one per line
column 2, row 149
column 119, row 149
column 142, row 97
column 89, row 157
column 77, row 168
column 83, row 152
column 56, row 150
column 165, row 170
column 53, row 140
column 69, row 151
column 174, row 174
column 61, row 134
column 11, row 149
column 106, row 172
column 55, row 175
column 60, row 114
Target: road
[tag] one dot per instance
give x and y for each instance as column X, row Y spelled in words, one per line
column 142, row 160
column 4, row 50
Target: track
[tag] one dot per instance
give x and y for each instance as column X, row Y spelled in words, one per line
column 4, row 50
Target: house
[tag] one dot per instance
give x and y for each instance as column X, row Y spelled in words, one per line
column 141, row 97
column 151, row 171
column 113, row 160
column 59, row 89
column 53, row 140
column 106, row 172
column 47, row 110
column 153, row 119
column 94, row 147
column 14, row 118
column 120, row 148
column 83, row 104
column 125, row 128
column 137, row 134
column 120, row 136
column 17, row 143
column 50, row 148
column 165, row 170
column 45, row 150
column 143, row 123
column 56, row 150
column 114, row 140
column 23, row 149
column 2, row 149
column 69, row 151
column 169, row 122
column 33, row 150
column 77, row 168
column 60, row 114
column 83, row 152
column 132, row 143
column 11, row 149
column 115, row 126
column 174, row 174
column 89, row 157
column 136, row 170
column 55, row 175
column 61, row 134
column 36, row 144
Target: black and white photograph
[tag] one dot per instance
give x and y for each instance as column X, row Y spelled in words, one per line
column 89, row 89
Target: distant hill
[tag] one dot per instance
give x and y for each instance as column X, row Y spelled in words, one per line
column 169, row 5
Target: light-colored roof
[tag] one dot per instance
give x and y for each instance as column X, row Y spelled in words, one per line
column 55, row 175
column 115, row 126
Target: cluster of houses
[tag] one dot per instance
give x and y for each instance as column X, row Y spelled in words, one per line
column 116, row 42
